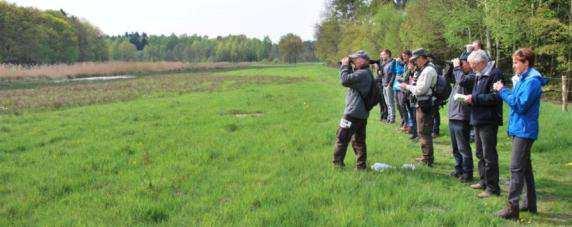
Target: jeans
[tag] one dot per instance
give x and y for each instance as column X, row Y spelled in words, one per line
column 389, row 102
column 412, row 118
column 460, row 131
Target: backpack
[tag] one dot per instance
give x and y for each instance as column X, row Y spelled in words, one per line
column 442, row 88
column 372, row 99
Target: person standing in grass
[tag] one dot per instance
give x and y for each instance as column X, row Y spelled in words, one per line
column 524, row 104
column 352, row 126
column 424, row 109
column 459, row 116
column 410, row 77
column 437, row 104
column 383, row 113
column 400, row 97
column 486, row 117
column 386, row 73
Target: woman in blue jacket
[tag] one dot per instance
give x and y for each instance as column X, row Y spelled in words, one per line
column 524, row 103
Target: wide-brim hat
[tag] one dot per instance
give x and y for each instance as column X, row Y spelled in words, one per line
column 418, row 53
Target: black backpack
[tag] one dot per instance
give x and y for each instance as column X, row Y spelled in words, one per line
column 442, row 88
column 372, row 99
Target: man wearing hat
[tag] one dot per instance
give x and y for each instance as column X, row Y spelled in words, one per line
column 422, row 90
column 459, row 119
column 353, row 123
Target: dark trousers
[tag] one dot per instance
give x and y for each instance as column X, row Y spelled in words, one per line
column 460, row 141
column 401, row 102
column 521, row 174
column 424, row 115
column 486, row 142
column 383, row 112
column 354, row 134
column 411, row 112
column 436, row 119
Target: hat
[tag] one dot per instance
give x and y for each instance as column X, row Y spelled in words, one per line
column 360, row 54
column 465, row 55
column 419, row 52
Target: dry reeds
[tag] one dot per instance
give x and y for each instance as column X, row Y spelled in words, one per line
column 16, row 72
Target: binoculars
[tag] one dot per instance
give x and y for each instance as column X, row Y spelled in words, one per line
column 371, row 62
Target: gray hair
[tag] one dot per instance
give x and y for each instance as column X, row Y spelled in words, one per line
column 478, row 56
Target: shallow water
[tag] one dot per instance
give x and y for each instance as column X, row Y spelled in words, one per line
column 99, row 78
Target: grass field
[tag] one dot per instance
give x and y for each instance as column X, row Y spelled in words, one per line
column 242, row 147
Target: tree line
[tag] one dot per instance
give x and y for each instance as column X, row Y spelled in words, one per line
column 195, row 48
column 445, row 26
column 29, row 36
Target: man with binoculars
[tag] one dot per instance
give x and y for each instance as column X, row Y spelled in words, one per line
column 423, row 92
column 352, row 127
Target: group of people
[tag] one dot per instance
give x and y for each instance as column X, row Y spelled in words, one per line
column 390, row 74
column 408, row 85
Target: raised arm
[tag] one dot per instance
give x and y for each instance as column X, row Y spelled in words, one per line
column 523, row 100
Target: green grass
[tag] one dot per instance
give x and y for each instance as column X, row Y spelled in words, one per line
column 246, row 153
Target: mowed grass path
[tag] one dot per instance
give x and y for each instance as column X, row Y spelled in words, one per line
column 252, row 153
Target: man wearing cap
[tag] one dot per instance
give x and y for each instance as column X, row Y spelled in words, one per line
column 424, row 112
column 353, row 123
column 459, row 116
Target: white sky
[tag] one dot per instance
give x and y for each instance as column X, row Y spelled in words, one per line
column 254, row 18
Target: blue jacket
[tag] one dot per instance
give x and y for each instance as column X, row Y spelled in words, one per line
column 399, row 70
column 524, row 103
column 399, row 67
column 386, row 73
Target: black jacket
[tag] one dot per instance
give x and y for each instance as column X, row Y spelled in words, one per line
column 487, row 104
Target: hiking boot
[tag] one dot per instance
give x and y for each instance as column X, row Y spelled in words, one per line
column 510, row 212
column 455, row 174
column 528, row 209
column 425, row 161
column 477, row 186
column 466, row 178
column 486, row 194
column 413, row 137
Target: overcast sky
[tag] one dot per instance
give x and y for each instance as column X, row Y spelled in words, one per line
column 254, row 18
